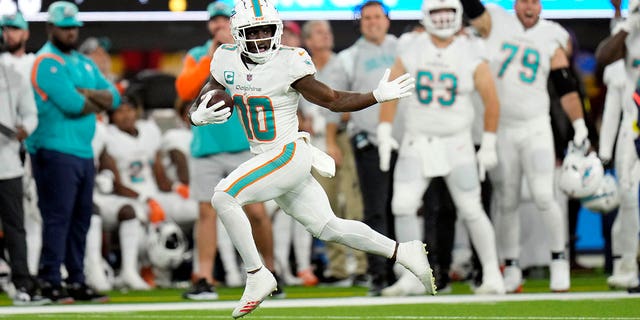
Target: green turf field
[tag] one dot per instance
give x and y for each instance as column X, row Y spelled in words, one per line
column 590, row 308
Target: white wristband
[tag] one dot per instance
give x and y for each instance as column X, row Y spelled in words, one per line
column 579, row 124
column 488, row 139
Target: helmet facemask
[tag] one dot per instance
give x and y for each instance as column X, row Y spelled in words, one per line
column 259, row 50
column 442, row 18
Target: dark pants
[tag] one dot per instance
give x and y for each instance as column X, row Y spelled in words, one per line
column 12, row 217
column 65, row 189
column 439, row 223
column 376, row 191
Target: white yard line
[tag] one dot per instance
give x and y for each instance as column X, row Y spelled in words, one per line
column 331, row 302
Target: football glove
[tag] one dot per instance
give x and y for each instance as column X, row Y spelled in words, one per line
column 182, row 190
column 390, row 90
column 487, row 155
column 386, row 144
column 206, row 115
column 580, row 135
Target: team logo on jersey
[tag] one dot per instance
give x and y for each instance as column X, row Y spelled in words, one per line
column 249, row 77
column 229, row 77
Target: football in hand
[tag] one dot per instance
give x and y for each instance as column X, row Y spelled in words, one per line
column 220, row 95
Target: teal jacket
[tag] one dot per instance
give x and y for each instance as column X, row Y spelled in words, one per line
column 56, row 78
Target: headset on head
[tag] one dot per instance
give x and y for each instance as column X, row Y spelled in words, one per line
column 357, row 11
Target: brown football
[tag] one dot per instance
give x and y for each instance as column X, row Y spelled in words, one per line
column 218, row 95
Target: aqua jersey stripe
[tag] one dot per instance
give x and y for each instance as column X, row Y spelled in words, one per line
column 260, row 172
column 257, row 9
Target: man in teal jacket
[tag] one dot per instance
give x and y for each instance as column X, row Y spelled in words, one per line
column 69, row 91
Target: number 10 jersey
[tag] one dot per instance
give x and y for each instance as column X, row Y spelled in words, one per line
column 262, row 95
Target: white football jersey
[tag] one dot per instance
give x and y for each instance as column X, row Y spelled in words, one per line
column 134, row 155
column 520, row 63
column 632, row 60
column 99, row 140
column 263, row 96
column 175, row 139
column 444, row 83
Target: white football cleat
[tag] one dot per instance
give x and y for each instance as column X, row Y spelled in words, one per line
column 413, row 256
column 560, row 275
column 407, row 285
column 625, row 274
column 132, row 280
column 512, row 279
column 259, row 285
column 96, row 277
column 491, row 284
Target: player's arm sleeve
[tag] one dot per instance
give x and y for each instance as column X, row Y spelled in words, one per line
column 103, row 84
column 51, row 82
column 614, row 76
column 300, row 65
column 192, row 76
column 27, row 110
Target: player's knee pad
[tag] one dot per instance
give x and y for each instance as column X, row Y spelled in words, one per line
column 543, row 199
column 404, row 204
column 464, row 178
column 222, row 201
column 126, row 213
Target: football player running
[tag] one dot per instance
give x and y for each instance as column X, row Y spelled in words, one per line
column 266, row 81
column 624, row 43
column 525, row 51
column 437, row 141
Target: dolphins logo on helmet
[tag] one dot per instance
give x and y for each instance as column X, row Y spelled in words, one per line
column 254, row 13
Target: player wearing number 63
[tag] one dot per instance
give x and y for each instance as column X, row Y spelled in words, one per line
column 437, row 141
column 524, row 52
column 266, row 81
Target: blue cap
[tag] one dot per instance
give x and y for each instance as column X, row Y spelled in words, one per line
column 15, row 20
column 219, row 9
column 64, row 15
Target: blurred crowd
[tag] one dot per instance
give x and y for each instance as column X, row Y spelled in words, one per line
column 105, row 184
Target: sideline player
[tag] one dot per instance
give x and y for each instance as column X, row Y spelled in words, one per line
column 524, row 52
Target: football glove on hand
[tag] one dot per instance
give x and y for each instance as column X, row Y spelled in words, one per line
column 206, row 115
column 390, row 90
column 386, row 144
column 487, row 155
column 580, row 135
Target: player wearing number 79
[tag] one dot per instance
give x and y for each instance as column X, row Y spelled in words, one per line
column 524, row 52
column 266, row 81
column 437, row 141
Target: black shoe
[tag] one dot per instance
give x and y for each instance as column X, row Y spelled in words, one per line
column 201, row 290
column 377, row 284
column 82, row 292
column 362, row 280
column 24, row 297
column 332, row 281
column 56, row 293
column 634, row 290
column 279, row 292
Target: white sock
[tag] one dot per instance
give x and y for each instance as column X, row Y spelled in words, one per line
column 282, row 229
column 33, row 230
column 508, row 228
column 484, row 241
column 93, row 247
column 358, row 235
column 238, row 228
column 625, row 228
column 301, row 246
column 407, row 228
column 226, row 250
column 129, row 232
